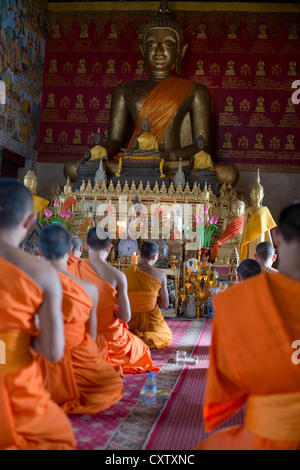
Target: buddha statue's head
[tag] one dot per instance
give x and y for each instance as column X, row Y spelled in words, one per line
column 257, row 192
column 98, row 138
column 238, row 208
column 30, row 181
column 200, row 142
column 145, row 124
column 163, row 43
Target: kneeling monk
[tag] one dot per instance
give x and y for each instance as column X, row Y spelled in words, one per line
column 147, row 288
column 255, row 354
column 29, row 419
column 126, row 352
column 82, row 382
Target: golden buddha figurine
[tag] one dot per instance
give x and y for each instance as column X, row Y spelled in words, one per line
column 200, row 68
column 53, row 66
column 201, row 160
column 81, row 66
column 49, row 136
column 145, row 143
column 39, row 203
column 51, row 102
column 96, row 152
column 258, row 222
column 77, row 137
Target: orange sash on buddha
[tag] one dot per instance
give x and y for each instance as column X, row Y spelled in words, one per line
column 126, row 352
column 255, row 325
column 161, row 105
column 147, row 321
column 82, row 382
column 29, row 418
column 233, row 229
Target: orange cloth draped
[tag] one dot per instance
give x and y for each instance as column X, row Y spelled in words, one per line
column 147, row 321
column 161, row 105
column 29, row 419
column 125, row 351
column 69, row 202
column 233, row 229
column 72, row 259
column 82, row 382
column 255, row 325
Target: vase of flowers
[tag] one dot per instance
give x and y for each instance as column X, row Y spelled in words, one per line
column 204, row 227
column 61, row 219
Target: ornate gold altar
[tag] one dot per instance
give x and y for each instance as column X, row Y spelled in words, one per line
column 113, row 199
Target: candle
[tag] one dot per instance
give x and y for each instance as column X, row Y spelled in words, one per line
column 134, row 260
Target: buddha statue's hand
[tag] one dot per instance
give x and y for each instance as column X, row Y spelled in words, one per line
column 185, row 153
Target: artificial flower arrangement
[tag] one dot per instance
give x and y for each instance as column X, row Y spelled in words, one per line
column 205, row 227
column 61, row 219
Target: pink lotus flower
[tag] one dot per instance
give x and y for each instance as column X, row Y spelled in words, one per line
column 210, row 221
column 69, row 215
column 205, row 210
column 56, row 203
column 198, row 220
column 48, row 213
column 216, row 219
column 63, row 214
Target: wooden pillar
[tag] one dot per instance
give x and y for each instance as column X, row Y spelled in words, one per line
column 1, row 154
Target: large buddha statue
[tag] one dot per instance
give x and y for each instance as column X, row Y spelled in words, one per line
column 176, row 107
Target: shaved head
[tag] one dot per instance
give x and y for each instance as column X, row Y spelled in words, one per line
column 15, row 203
column 265, row 251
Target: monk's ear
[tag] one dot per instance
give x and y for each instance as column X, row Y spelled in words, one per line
column 180, row 57
column 108, row 248
column 255, row 256
column 276, row 236
column 145, row 66
column 29, row 221
column 39, row 251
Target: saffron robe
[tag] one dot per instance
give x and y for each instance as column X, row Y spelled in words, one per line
column 255, row 325
column 147, row 321
column 257, row 230
column 29, row 419
column 161, row 105
column 72, row 259
column 233, row 229
column 82, row 382
column 126, row 352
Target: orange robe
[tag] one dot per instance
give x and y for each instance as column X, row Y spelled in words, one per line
column 72, row 259
column 146, row 321
column 255, row 325
column 161, row 105
column 233, row 229
column 29, row 419
column 82, row 382
column 126, row 352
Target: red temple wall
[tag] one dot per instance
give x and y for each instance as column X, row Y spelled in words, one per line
column 249, row 69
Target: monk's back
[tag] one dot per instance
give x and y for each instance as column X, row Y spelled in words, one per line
column 20, row 303
column 259, row 331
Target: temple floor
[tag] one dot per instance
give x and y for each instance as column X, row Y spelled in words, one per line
column 174, row 424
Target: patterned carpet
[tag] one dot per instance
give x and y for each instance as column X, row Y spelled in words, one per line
column 174, row 424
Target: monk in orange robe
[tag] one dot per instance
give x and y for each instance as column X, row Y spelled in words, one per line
column 76, row 250
column 256, row 328
column 126, row 352
column 29, row 419
column 82, row 382
column 147, row 289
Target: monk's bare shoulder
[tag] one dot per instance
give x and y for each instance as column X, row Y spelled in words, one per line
column 37, row 268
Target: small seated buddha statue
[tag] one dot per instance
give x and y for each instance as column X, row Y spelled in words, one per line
column 201, row 168
column 96, row 152
column 144, row 144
